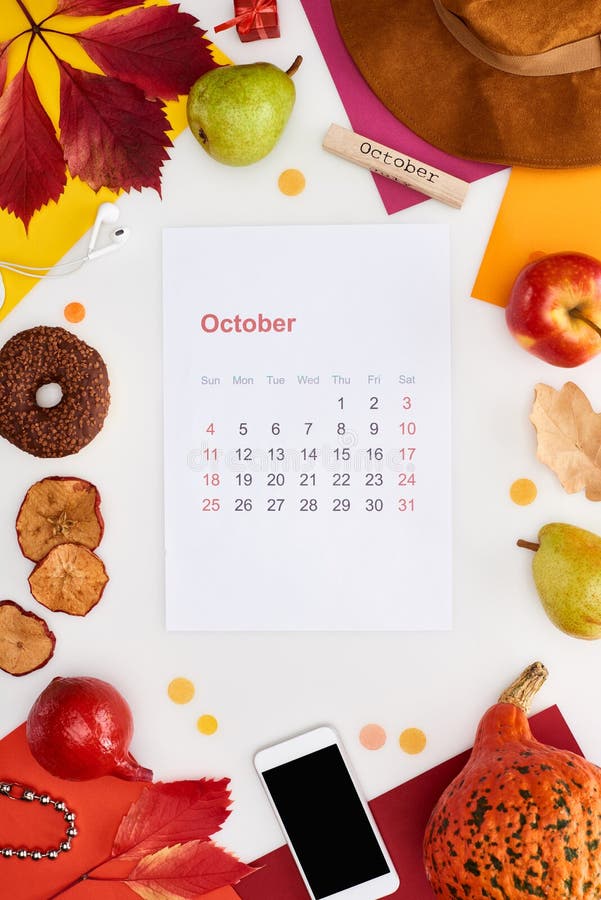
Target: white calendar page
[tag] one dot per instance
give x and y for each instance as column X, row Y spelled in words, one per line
column 307, row 427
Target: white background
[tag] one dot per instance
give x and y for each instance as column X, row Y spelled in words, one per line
column 264, row 687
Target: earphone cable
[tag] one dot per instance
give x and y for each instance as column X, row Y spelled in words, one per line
column 44, row 271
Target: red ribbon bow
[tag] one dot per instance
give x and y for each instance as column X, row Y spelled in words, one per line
column 247, row 20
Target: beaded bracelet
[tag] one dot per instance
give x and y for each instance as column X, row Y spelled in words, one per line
column 16, row 791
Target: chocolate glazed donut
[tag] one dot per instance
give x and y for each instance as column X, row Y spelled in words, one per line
column 46, row 355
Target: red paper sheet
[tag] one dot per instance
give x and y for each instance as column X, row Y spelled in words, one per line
column 99, row 806
column 401, row 814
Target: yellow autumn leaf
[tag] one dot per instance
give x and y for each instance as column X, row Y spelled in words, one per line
column 568, row 432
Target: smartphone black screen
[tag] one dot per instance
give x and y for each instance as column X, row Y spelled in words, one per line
column 326, row 823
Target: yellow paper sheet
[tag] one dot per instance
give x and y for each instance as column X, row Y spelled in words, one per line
column 543, row 211
column 55, row 228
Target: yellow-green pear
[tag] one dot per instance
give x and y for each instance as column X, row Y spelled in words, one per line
column 238, row 113
column 567, row 573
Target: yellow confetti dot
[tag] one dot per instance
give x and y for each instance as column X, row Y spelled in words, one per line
column 207, row 724
column 74, row 312
column 180, row 690
column 523, row 491
column 292, row 182
column 412, row 740
column 372, row 737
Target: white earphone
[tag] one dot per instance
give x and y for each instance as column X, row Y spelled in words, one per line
column 107, row 214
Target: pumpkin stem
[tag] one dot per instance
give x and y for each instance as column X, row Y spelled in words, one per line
column 522, row 691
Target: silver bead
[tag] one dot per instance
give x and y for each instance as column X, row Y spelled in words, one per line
column 36, row 854
column 71, row 832
column 6, row 851
column 69, row 817
column 60, row 806
column 21, row 854
column 66, row 845
column 53, row 854
column 5, row 788
column 45, row 800
column 28, row 795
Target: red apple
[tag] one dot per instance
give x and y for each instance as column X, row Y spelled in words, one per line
column 554, row 308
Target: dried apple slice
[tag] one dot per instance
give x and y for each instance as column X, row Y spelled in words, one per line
column 26, row 642
column 69, row 579
column 56, row 511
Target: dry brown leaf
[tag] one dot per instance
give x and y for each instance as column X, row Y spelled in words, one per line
column 569, row 437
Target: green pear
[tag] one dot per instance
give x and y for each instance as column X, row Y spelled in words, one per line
column 238, row 113
column 567, row 573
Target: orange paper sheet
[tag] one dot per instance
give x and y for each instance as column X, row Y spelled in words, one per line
column 543, row 211
column 55, row 228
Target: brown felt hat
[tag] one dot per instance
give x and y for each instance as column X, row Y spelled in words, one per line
column 505, row 81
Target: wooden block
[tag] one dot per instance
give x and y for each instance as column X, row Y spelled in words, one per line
column 395, row 165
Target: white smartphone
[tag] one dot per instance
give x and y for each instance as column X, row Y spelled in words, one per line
column 326, row 822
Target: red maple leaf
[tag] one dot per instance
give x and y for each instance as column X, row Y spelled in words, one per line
column 185, row 871
column 92, row 7
column 112, row 136
column 113, row 130
column 172, row 813
column 156, row 48
column 3, row 64
column 32, row 168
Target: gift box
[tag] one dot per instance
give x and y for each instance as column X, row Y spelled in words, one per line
column 254, row 20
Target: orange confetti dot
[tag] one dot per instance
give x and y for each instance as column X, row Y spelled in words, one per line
column 372, row 737
column 180, row 690
column 74, row 312
column 412, row 740
column 207, row 724
column 523, row 491
column 292, row 182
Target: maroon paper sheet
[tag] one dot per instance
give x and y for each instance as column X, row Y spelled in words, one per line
column 401, row 814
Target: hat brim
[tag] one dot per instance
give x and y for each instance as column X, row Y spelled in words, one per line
column 461, row 105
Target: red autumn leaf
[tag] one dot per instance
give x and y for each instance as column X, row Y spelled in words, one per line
column 159, row 49
column 3, row 63
column 32, row 167
column 92, row 7
column 113, row 129
column 172, row 813
column 111, row 134
column 185, row 871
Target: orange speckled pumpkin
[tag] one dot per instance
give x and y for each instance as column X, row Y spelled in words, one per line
column 522, row 819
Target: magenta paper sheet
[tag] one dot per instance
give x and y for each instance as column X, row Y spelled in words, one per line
column 370, row 117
